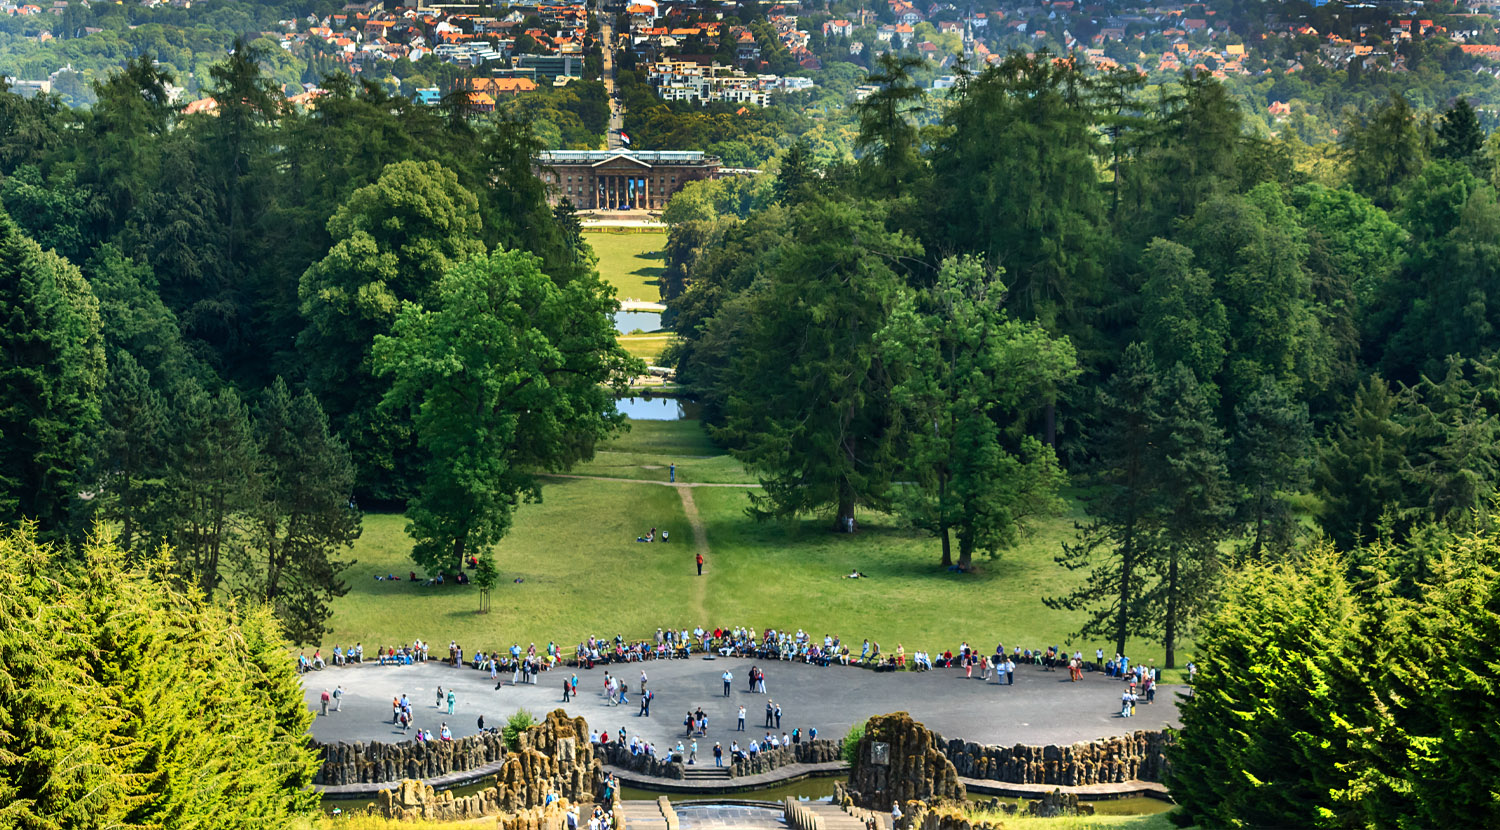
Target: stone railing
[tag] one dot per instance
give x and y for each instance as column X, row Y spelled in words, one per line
column 377, row 763
column 618, row 755
column 820, row 751
column 1137, row 757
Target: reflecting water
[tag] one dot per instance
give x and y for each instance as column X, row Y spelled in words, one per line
column 629, row 321
column 657, row 409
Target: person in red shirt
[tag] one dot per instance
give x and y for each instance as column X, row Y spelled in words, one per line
column 700, row 564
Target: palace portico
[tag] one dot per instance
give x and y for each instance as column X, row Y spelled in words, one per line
column 621, row 179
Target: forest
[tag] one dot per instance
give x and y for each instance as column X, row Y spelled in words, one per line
column 193, row 306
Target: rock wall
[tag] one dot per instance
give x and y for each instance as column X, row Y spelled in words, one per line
column 912, row 768
column 1137, row 757
column 376, row 762
column 820, row 751
column 658, row 767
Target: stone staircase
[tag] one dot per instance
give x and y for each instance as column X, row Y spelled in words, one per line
column 694, row 772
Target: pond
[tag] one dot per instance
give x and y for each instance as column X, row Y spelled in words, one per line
column 629, row 321
column 658, row 409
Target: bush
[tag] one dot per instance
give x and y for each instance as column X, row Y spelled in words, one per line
column 851, row 742
column 518, row 723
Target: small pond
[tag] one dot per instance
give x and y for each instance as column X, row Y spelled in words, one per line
column 658, row 409
column 629, row 321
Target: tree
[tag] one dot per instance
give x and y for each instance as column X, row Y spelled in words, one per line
column 214, row 480
column 1123, row 469
column 808, row 391
column 52, row 374
column 1460, row 138
column 1265, row 732
column 1361, row 464
column 1386, row 152
column 509, row 375
column 128, row 464
column 1273, row 463
column 108, row 721
column 305, row 516
column 968, row 375
column 1182, row 318
column 1192, row 490
column 1015, row 179
column 393, row 241
column 887, row 142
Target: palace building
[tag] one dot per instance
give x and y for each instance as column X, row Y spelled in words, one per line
column 621, row 179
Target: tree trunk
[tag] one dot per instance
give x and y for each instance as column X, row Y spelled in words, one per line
column 947, row 550
column 1169, row 626
column 965, row 551
column 845, row 521
column 1127, row 571
column 1049, row 418
column 942, row 500
column 458, row 550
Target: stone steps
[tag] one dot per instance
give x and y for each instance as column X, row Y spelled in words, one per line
column 696, row 773
column 833, row 817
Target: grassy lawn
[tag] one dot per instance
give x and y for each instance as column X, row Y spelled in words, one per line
column 646, row 346
column 584, row 572
column 631, row 262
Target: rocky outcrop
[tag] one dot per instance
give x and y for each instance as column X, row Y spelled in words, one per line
column 820, row 751
column 376, row 762
column 898, row 759
column 413, row 800
column 553, row 758
column 1137, row 757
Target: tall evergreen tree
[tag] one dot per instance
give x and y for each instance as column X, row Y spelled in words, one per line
column 1361, row 464
column 130, row 451
column 890, row 158
column 1116, row 544
column 52, row 373
column 1194, row 502
column 809, row 402
column 1386, row 151
column 214, row 481
column 1272, row 464
column 305, row 518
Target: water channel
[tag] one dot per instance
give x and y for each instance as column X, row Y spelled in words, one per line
column 808, row 789
column 658, row 408
column 629, row 321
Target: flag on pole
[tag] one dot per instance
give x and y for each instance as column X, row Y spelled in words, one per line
column 624, row 138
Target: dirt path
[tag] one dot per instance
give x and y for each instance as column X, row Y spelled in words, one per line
column 700, row 545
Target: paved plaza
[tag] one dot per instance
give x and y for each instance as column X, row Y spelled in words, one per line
column 1041, row 708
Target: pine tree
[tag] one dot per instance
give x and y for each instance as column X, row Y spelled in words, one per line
column 1121, row 475
column 52, row 373
column 1272, row 463
column 1192, row 492
column 304, row 519
column 1361, row 464
column 131, row 447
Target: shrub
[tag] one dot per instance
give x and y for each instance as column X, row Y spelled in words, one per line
column 518, row 723
column 851, row 742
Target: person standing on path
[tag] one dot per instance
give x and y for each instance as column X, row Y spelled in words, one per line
column 693, row 752
column 718, row 755
column 326, row 698
column 741, row 727
column 439, row 703
column 700, row 564
column 646, row 702
column 728, row 679
column 338, row 697
column 770, row 711
column 778, row 716
column 452, row 699
column 567, row 690
column 672, row 472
